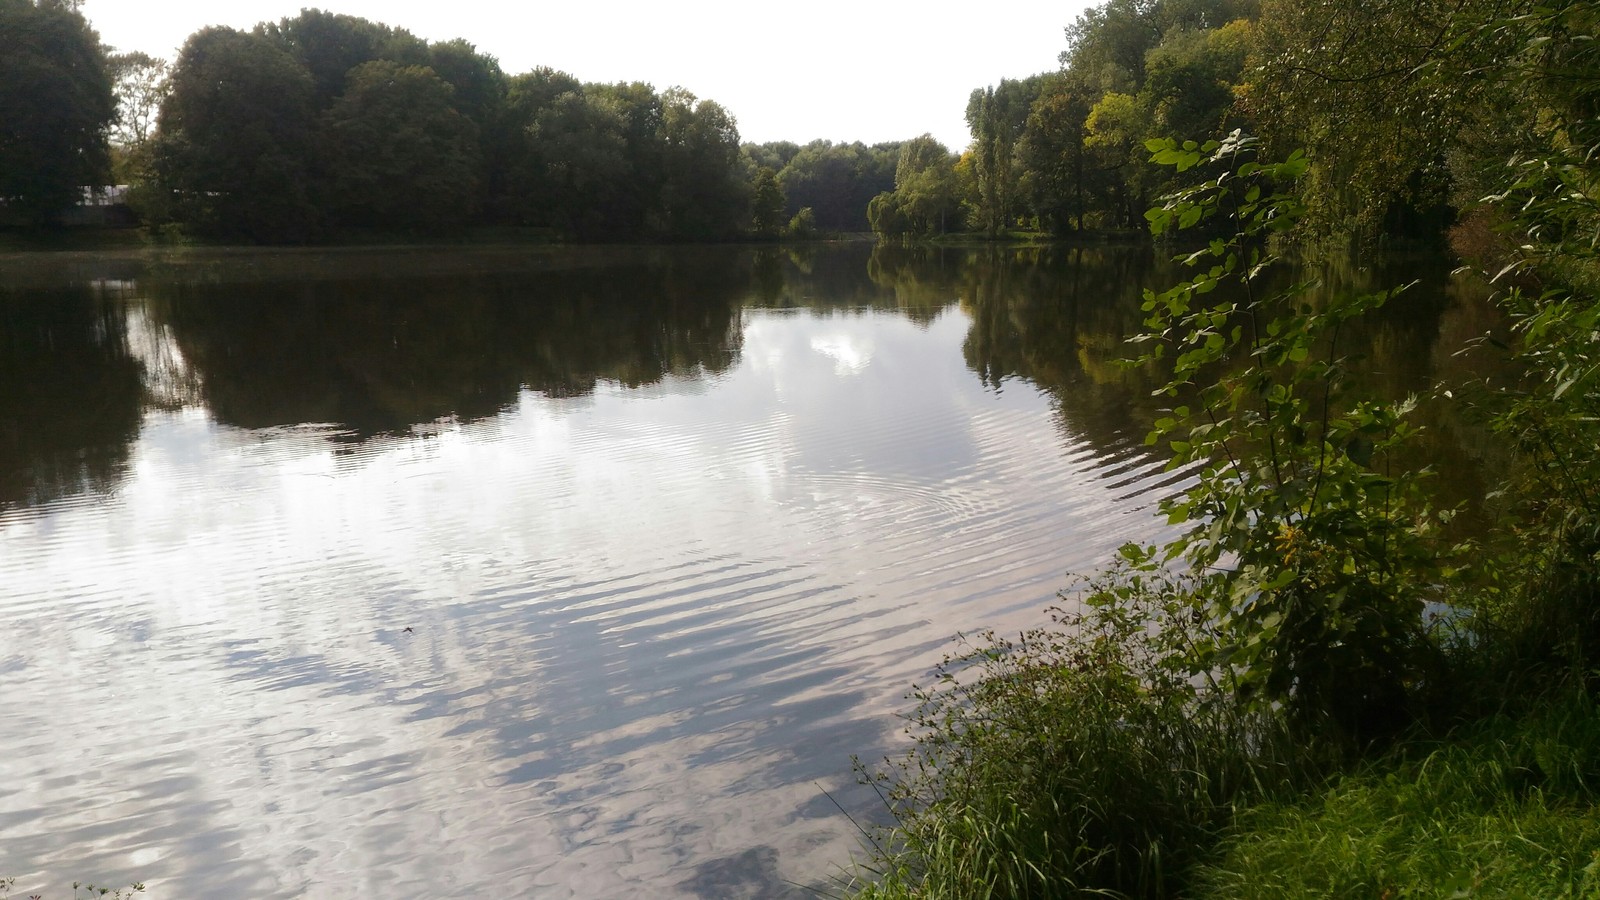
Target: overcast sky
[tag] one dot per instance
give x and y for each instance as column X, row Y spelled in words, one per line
column 862, row 70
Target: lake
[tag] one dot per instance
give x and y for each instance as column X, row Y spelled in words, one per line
column 538, row 571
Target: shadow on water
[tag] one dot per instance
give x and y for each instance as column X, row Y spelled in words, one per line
column 71, row 394
column 750, row 875
column 379, row 355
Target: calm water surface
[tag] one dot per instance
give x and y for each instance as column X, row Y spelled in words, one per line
column 525, row 572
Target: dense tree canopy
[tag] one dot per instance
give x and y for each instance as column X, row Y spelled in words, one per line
column 926, row 198
column 834, row 181
column 55, row 106
column 703, row 194
column 394, row 148
column 766, row 203
column 237, row 138
column 316, row 124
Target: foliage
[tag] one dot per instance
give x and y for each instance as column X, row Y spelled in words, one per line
column 1309, row 557
column 237, row 137
column 837, row 181
column 141, row 85
column 577, row 146
column 1052, row 151
column 319, row 122
column 925, row 199
column 1114, row 131
column 1311, row 549
column 55, row 106
column 394, row 149
column 1382, row 94
column 330, row 46
column 1065, row 149
column 703, row 194
column 1074, row 760
column 803, row 226
column 766, row 203
column 1553, row 282
column 996, row 116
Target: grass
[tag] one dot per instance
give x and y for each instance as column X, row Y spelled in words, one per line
column 89, row 891
column 1505, row 809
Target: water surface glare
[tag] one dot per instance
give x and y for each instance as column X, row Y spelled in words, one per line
column 323, row 576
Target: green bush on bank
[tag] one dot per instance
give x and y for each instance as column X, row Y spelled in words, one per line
column 1076, row 759
column 1504, row 807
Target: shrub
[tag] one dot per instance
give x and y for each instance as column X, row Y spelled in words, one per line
column 1074, row 759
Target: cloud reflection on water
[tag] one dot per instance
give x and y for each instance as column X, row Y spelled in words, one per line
column 647, row 628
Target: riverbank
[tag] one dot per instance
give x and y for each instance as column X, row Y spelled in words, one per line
column 1053, row 767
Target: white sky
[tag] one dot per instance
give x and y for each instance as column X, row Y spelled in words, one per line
column 864, row 70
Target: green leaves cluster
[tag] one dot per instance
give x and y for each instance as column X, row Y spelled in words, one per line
column 1549, row 200
column 1311, row 549
column 926, row 199
column 55, row 106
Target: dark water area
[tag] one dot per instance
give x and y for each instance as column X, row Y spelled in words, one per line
column 547, row 572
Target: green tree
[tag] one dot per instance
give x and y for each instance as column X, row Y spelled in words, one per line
column 1190, row 78
column 582, row 159
column 236, row 133
column 996, row 117
column 639, row 109
column 516, row 172
column 55, row 105
column 1107, row 43
column 578, row 143
column 330, row 45
column 837, row 181
column 1052, row 151
column 702, row 195
column 1309, row 546
column 925, row 186
column 478, row 86
column 478, row 93
column 1381, row 95
column 1116, row 127
column 885, row 216
column 140, row 85
column 775, row 155
column 397, row 153
column 803, row 225
column 766, row 203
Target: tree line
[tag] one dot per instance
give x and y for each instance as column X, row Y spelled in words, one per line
column 323, row 124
